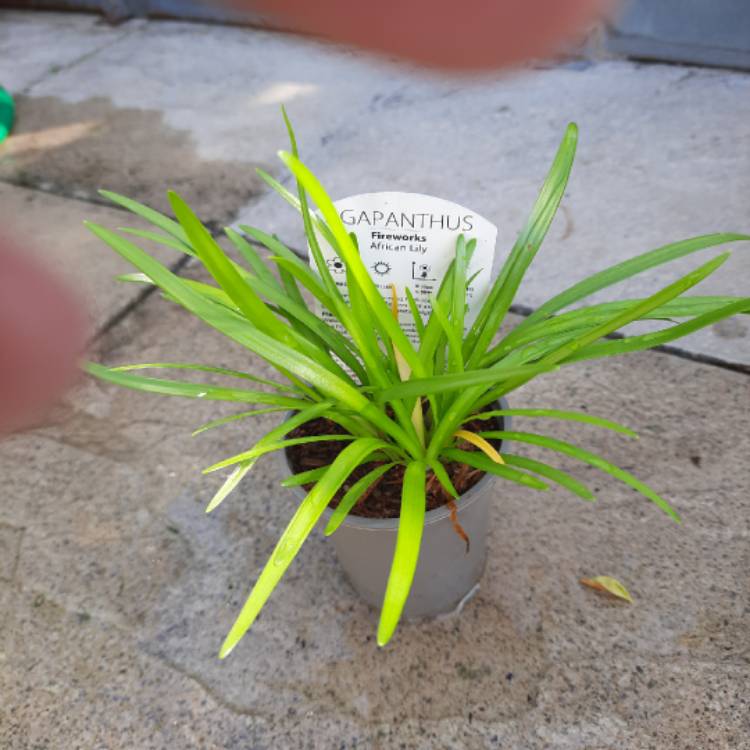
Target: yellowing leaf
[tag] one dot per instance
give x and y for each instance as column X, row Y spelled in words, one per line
column 394, row 302
column 404, row 370
column 487, row 448
column 609, row 586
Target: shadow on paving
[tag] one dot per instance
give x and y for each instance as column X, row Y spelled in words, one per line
column 74, row 149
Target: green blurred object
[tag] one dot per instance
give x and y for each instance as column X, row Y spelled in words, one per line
column 7, row 113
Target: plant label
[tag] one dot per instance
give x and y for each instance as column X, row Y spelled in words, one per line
column 409, row 240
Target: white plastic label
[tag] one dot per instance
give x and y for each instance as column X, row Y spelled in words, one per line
column 409, row 240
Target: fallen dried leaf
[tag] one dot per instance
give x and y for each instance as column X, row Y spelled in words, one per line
column 609, row 586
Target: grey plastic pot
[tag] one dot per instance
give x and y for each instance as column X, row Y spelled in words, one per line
column 446, row 575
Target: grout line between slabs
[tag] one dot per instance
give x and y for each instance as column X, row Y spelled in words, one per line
column 177, row 267
column 117, row 318
column 55, row 70
column 89, row 200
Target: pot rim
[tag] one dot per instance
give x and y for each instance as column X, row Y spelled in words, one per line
column 432, row 516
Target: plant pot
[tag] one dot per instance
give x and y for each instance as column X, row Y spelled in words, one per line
column 446, row 575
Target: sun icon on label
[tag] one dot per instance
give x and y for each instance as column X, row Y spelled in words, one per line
column 381, row 268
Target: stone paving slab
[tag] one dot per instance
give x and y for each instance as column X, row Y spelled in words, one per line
column 664, row 153
column 51, row 228
column 36, row 46
column 123, row 589
column 660, row 158
column 75, row 149
column 116, row 590
column 190, row 107
column 225, row 85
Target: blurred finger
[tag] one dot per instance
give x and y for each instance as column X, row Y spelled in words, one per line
column 467, row 35
column 42, row 333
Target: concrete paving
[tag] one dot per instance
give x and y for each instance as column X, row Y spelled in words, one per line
column 115, row 588
column 646, row 173
column 51, row 228
column 664, row 151
column 189, row 107
column 40, row 45
column 119, row 589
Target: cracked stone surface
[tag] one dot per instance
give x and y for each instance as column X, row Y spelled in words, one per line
column 123, row 588
column 47, row 43
column 116, row 590
column 51, row 229
column 10, row 543
column 664, row 153
column 147, row 112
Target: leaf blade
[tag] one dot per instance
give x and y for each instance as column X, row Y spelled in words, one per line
column 230, row 484
column 622, row 271
column 298, row 529
column 305, row 414
column 350, row 256
column 351, row 497
column 188, row 390
column 479, row 461
column 553, row 474
column 406, row 555
column 572, row 416
column 574, row 451
column 500, row 297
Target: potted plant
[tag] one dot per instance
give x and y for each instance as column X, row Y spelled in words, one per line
column 394, row 442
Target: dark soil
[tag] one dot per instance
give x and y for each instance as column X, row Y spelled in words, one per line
column 384, row 500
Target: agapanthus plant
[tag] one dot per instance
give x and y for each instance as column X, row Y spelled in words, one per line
column 398, row 403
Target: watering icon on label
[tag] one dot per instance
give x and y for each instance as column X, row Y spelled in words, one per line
column 421, row 271
column 335, row 265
